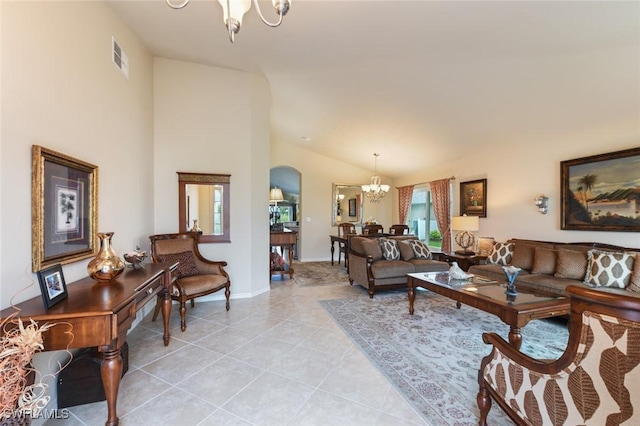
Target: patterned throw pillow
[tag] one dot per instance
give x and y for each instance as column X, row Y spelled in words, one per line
column 501, row 254
column 420, row 249
column 186, row 267
column 390, row 250
column 609, row 269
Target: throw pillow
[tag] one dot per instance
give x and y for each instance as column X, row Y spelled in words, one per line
column 544, row 261
column 501, row 254
column 571, row 264
column 390, row 250
column 420, row 249
column 609, row 269
column 523, row 256
column 634, row 282
column 406, row 252
column 371, row 248
column 186, row 267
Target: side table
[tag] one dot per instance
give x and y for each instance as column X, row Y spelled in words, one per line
column 465, row 261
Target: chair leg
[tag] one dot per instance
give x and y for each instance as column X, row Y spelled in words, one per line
column 183, row 315
column 484, row 404
column 193, row 303
column 227, row 293
column 156, row 310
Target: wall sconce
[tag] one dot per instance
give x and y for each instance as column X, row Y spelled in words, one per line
column 541, row 203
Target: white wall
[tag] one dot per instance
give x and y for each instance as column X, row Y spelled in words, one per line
column 61, row 90
column 318, row 173
column 214, row 120
column 517, row 171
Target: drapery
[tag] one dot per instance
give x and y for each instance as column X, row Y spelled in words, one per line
column 441, row 201
column 405, row 193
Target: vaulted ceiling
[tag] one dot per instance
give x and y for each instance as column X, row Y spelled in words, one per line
column 417, row 81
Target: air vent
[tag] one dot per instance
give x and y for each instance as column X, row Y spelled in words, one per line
column 120, row 59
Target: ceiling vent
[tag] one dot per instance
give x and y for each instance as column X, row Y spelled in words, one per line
column 120, row 59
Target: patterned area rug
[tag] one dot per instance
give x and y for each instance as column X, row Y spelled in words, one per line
column 433, row 356
column 319, row 273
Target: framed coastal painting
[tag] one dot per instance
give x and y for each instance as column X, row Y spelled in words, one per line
column 473, row 198
column 601, row 192
column 64, row 208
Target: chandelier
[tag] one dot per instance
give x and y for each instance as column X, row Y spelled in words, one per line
column 234, row 10
column 374, row 191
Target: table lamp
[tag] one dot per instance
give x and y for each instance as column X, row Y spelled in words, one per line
column 466, row 225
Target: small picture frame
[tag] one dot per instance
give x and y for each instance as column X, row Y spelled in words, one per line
column 52, row 285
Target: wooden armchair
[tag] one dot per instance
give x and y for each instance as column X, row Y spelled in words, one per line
column 196, row 276
column 594, row 382
column 399, row 229
column 345, row 229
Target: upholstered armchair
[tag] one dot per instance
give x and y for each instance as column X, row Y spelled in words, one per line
column 196, row 276
column 595, row 381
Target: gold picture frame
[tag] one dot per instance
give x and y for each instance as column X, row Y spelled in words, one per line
column 64, row 208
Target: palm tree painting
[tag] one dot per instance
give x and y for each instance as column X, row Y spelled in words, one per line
column 602, row 192
column 67, row 207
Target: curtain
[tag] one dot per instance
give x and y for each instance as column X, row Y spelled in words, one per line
column 405, row 194
column 441, row 200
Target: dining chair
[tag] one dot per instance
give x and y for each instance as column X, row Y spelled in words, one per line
column 344, row 230
column 399, row 229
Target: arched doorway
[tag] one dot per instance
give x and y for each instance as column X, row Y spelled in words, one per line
column 288, row 180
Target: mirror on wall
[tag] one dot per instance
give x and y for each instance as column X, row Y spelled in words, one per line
column 203, row 203
column 347, row 204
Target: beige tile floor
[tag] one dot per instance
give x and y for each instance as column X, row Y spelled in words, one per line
column 275, row 359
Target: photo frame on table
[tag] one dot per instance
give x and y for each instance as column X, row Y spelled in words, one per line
column 352, row 207
column 473, row 198
column 52, row 285
column 64, row 208
column 601, row 192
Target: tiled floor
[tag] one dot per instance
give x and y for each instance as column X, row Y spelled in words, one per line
column 275, row 359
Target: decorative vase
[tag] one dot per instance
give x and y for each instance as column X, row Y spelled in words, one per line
column 195, row 227
column 106, row 266
column 511, row 273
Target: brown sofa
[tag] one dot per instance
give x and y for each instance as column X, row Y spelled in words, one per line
column 368, row 267
column 550, row 267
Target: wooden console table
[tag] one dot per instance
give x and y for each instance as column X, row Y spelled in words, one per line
column 283, row 239
column 99, row 314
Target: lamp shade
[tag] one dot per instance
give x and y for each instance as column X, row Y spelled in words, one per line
column 465, row 223
column 275, row 194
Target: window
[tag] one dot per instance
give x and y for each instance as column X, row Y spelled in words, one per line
column 422, row 220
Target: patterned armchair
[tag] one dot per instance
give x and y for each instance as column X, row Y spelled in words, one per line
column 595, row 381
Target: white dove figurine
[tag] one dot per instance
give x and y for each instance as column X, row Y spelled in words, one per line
column 457, row 273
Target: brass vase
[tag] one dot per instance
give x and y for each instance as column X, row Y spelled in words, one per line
column 106, row 266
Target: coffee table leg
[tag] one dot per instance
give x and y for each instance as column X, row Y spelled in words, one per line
column 458, row 304
column 515, row 338
column 412, row 295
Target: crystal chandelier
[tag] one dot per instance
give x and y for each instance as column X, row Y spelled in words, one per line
column 374, row 191
column 234, row 10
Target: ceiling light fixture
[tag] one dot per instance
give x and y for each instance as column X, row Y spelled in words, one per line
column 234, row 10
column 374, row 190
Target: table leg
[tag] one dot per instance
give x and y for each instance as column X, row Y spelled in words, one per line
column 290, row 247
column 515, row 338
column 111, row 372
column 458, row 305
column 166, row 314
column 412, row 295
column 333, row 249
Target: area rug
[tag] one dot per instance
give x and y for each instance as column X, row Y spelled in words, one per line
column 319, row 273
column 433, row 356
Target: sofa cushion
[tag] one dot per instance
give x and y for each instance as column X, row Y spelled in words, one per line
column 545, row 284
column 390, row 269
column 501, row 254
column 429, row 265
column 634, row 282
column 187, row 262
column 609, row 269
column 406, row 252
column 571, row 264
column 390, row 250
column 371, row 247
column 420, row 249
column 544, row 261
column 523, row 256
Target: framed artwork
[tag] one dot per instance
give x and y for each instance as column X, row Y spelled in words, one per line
column 64, row 208
column 473, row 198
column 601, row 192
column 352, row 207
column 52, row 285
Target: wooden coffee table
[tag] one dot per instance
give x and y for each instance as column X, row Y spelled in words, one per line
column 489, row 296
